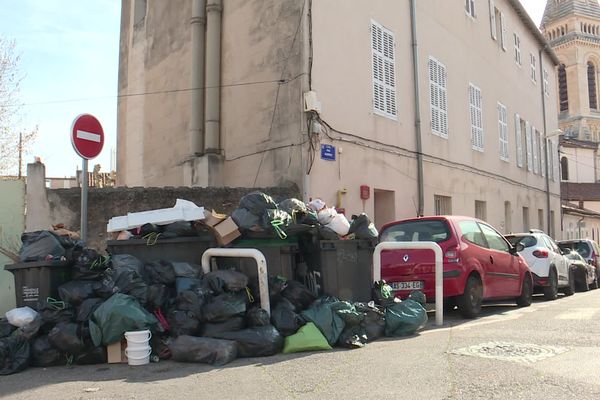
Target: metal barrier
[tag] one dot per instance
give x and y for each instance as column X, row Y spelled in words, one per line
column 261, row 263
column 439, row 269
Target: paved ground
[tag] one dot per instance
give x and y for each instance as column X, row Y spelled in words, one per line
column 563, row 364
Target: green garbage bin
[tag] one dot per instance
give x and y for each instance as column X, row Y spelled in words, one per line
column 38, row 280
column 182, row 249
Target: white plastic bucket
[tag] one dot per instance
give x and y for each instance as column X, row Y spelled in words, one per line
column 138, row 356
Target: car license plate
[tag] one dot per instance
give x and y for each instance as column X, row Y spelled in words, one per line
column 411, row 285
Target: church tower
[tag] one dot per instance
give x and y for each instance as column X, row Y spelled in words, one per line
column 572, row 28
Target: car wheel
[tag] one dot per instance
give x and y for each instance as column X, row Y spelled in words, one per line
column 469, row 303
column 449, row 304
column 524, row 300
column 570, row 289
column 594, row 285
column 551, row 291
column 584, row 287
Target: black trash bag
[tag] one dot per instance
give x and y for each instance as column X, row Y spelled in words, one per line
column 276, row 286
column 257, row 203
column 40, row 246
column 52, row 313
column 233, row 281
column 405, row 318
column 273, row 220
column 127, row 278
column 233, row 324
column 348, row 313
column 213, row 284
column 298, row 294
column 326, row 233
column 353, row 337
column 75, row 292
column 183, row 284
column 43, row 354
column 15, row 355
column 5, row 328
column 160, row 272
column 190, row 301
column 89, row 265
column 260, row 341
column 127, row 260
column 224, row 306
column 292, row 206
column 382, row 294
column 178, row 229
column 363, row 228
column 183, row 322
column 202, row 350
column 257, row 317
column 186, row 270
column 87, row 308
column 246, row 221
column 322, row 315
column 31, row 330
column 67, row 337
column 374, row 321
column 92, row 355
column 158, row 296
column 285, row 319
column 147, row 229
column 309, row 218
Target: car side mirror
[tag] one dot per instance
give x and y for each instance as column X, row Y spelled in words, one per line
column 517, row 248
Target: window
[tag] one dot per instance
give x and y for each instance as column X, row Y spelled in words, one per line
column 439, row 97
column 529, row 146
column 507, row 217
column 546, row 83
column 525, row 219
column 562, row 88
column 139, row 11
column 471, row 232
column 424, row 230
column 564, row 167
column 519, row 141
column 494, row 239
column 535, row 150
column 550, row 159
column 476, row 117
column 551, row 229
column 554, row 149
column 442, row 205
column 517, row 49
column 480, row 210
column 503, row 131
column 591, row 71
column 540, row 218
column 503, row 31
column 470, row 8
column 532, row 61
column 384, row 74
column 493, row 21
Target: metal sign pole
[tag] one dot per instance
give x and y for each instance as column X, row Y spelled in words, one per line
column 84, row 200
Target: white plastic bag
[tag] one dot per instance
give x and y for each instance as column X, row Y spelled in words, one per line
column 316, row 205
column 339, row 224
column 326, row 215
column 21, row 316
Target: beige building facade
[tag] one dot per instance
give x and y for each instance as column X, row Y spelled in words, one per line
column 394, row 108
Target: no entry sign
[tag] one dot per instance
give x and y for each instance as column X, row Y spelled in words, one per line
column 87, row 136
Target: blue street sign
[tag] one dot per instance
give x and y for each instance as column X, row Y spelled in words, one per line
column 327, row 152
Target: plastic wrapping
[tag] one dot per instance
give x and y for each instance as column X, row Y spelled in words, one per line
column 21, row 316
column 308, row 338
column 202, row 350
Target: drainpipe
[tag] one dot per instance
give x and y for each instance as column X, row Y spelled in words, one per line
column 198, row 24
column 548, row 166
column 214, row 9
column 415, row 54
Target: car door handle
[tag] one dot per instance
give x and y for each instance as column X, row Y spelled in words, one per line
column 491, row 259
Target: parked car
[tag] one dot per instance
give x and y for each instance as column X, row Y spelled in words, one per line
column 479, row 263
column 588, row 249
column 584, row 273
column 546, row 260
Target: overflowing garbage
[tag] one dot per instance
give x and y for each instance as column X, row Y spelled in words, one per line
column 193, row 316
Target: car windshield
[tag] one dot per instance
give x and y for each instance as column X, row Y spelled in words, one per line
column 580, row 247
column 417, row 231
column 525, row 240
column 574, row 256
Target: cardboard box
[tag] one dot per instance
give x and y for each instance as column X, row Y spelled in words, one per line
column 116, row 352
column 212, row 218
column 226, row 231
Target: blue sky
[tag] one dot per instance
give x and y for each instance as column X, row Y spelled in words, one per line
column 69, row 50
column 69, row 58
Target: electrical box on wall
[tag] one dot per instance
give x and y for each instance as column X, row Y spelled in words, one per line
column 311, row 103
column 365, row 192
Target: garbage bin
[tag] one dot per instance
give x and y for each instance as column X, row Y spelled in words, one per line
column 182, row 249
column 339, row 268
column 38, row 280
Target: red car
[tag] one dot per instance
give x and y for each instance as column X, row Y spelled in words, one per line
column 479, row 263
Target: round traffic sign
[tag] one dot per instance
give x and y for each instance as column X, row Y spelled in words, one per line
column 87, row 136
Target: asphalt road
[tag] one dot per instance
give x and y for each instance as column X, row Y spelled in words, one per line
column 550, row 350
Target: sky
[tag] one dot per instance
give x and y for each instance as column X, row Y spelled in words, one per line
column 69, row 53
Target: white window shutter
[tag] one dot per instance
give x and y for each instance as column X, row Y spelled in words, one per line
column 519, row 140
column 475, row 106
column 534, row 149
column 503, row 132
column 528, row 146
column 438, row 97
column 493, row 19
column 384, row 75
column 503, row 31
